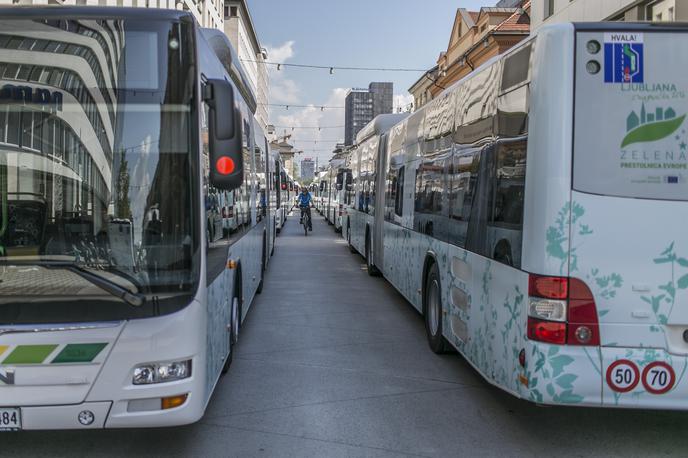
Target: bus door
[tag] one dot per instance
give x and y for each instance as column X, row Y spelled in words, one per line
column 379, row 216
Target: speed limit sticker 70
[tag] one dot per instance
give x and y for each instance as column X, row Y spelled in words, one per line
column 658, row 377
column 623, row 376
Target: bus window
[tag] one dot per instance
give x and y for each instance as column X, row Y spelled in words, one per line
column 399, row 192
column 505, row 229
column 430, row 196
column 464, row 176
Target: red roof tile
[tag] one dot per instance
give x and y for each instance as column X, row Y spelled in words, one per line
column 517, row 22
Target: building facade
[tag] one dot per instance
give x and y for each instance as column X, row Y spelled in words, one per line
column 476, row 37
column 307, row 169
column 552, row 11
column 208, row 13
column 238, row 26
column 287, row 153
column 421, row 88
column 362, row 105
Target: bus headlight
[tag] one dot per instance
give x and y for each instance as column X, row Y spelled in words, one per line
column 146, row 374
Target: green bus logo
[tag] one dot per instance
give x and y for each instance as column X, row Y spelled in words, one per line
column 651, row 126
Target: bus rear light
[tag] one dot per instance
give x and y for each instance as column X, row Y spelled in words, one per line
column 547, row 331
column 547, row 309
column 562, row 310
column 548, row 287
column 584, row 327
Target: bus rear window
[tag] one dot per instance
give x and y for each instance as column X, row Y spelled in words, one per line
column 631, row 133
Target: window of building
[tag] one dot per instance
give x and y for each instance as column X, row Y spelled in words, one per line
column 234, row 11
column 549, row 8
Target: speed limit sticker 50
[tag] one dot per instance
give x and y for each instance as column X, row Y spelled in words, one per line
column 623, row 376
column 658, row 377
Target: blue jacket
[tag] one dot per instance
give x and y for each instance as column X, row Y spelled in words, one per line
column 305, row 199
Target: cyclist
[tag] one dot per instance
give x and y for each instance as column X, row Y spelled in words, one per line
column 304, row 201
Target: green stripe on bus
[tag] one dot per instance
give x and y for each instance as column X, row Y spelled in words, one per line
column 29, row 354
column 79, row 353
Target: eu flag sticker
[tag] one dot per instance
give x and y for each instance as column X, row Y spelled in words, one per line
column 623, row 58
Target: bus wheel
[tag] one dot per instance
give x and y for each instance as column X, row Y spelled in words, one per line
column 370, row 267
column 433, row 311
column 348, row 239
column 262, row 268
column 233, row 333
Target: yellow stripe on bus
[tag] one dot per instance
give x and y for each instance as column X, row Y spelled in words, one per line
column 3, row 348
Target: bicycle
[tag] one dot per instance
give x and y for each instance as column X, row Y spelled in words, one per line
column 305, row 220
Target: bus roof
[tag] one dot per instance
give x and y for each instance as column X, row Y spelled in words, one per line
column 382, row 123
column 42, row 12
column 225, row 52
column 631, row 26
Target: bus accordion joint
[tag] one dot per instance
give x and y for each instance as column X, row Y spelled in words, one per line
column 562, row 311
column 231, row 264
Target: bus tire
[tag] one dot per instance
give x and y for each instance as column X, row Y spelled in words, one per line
column 233, row 331
column 370, row 267
column 348, row 238
column 262, row 266
column 432, row 310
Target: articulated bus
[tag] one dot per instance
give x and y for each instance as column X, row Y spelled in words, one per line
column 371, row 146
column 125, row 136
column 533, row 214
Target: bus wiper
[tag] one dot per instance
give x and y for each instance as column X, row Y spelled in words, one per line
column 133, row 299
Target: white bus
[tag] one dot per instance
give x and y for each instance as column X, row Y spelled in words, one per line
column 130, row 121
column 371, row 146
column 533, row 213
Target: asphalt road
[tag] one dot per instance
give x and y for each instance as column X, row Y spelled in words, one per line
column 333, row 363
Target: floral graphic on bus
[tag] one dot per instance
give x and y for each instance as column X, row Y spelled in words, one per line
column 651, row 126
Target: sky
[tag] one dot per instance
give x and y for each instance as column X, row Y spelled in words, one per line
column 354, row 33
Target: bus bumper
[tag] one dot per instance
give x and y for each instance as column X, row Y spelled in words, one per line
column 561, row 374
column 642, row 378
column 64, row 417
column 135, row 413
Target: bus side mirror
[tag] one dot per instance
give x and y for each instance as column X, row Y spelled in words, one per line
column 340, row 182
column 224, row 136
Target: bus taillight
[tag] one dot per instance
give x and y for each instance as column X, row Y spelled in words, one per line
column 561, row 311
column 584, row 328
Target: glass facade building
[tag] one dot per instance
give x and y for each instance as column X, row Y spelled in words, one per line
column 363, row 105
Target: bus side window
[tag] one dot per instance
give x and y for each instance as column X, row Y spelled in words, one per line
column 481, row 208
column 399, row 192
column 463, row 176
column 506, row 223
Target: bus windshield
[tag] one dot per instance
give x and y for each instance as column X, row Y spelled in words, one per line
column 96, row 162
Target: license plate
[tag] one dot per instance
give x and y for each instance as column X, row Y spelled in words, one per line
column 10, row 419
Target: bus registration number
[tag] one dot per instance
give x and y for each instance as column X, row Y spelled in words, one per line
column 10, row 419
